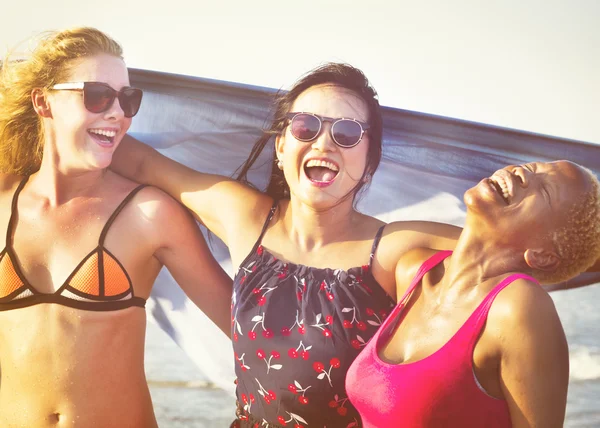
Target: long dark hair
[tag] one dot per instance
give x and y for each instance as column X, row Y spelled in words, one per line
column 338, row 74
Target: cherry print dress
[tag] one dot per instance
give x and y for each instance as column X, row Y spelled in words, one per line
column 296, row 330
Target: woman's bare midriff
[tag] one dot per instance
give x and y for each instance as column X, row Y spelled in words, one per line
column 64, row 367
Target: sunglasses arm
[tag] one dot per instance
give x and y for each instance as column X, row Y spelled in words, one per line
column 68, row 86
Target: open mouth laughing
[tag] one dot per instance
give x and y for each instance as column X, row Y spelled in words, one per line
column 503, row 184
column 321, row 172
column 103, row 136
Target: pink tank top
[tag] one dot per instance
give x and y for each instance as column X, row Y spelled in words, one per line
column 438, row 391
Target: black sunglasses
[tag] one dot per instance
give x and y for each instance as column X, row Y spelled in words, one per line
column 99, row 96
column 345, row 132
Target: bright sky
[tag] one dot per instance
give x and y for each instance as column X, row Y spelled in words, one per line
column 531, row 65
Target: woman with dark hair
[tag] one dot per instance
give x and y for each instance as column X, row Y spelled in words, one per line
column 315, row 276
column 335, row 74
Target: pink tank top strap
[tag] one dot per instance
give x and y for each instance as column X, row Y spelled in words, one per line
column 429, row 264
column 472, row 327
column 384, row 330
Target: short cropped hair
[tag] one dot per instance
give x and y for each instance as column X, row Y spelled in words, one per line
column 578, row 241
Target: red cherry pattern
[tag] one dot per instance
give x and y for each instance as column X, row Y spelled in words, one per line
column 307, row 343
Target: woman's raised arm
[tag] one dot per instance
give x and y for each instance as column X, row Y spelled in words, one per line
column 223, row 205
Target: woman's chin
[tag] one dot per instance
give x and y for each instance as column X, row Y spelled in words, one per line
column 100, row 161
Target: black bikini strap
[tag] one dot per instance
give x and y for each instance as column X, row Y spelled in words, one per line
column 375, row 245
column 267, row 221
column 116, row 213
column 13, row 210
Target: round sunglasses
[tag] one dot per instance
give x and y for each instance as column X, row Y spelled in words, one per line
column 345, row 132
column 98, row 97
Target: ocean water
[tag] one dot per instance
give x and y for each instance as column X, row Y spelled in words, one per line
column 183, row 398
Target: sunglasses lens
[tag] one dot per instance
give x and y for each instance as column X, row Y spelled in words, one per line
column 130, row 100
column 97, row 97
column 346, row 133
column 305, row 127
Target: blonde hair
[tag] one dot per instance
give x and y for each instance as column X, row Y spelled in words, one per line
column 21, row 132
column 577, row 242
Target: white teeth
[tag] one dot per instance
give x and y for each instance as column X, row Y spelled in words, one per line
column 500, row 182
column 322, row 163
column 104, row 132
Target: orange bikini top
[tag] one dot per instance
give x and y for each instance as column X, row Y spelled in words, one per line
column 98, row 283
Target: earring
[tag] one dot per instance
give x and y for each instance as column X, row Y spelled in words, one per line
column 280, row 164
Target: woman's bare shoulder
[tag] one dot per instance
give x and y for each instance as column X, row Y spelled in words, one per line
column 526, row 307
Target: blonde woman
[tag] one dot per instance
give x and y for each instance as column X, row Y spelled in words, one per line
column 83, row 245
